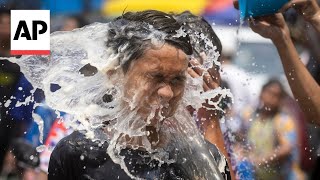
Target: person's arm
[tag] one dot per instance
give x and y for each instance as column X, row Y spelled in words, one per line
column 315, row 21
column 211, row 126
column 212, row 131
column 304, row 88
column 309, row 9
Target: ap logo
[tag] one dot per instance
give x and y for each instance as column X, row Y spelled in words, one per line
column 30, row 32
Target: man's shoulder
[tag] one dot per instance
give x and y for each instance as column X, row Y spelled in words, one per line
column 77, row 145
column 67, row 145
column 73, row 153
column 61, row 158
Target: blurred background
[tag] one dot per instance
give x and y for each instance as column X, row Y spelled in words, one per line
column 248, row 62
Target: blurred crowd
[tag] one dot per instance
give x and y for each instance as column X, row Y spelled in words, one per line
column 271, row 127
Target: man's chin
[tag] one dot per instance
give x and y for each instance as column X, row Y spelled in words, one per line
column 156, row 120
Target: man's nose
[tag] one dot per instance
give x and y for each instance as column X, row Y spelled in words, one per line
column 165, row 92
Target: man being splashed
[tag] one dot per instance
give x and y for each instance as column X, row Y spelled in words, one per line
column 154, row 80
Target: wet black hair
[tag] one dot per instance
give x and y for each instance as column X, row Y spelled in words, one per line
column 128, row 34
column 196, row 25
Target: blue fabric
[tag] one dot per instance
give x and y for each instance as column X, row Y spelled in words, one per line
column 48, row 116
column 71, row 7
column 245, row 170
column 21, row 4
column 96, row 4
column 23, row 113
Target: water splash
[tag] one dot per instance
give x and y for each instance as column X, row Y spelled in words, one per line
column 95, row 99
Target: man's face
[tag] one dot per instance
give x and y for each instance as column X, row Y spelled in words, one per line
column 156, row 81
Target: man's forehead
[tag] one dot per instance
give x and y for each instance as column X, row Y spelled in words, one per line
column 169, row 61
column 165, row 54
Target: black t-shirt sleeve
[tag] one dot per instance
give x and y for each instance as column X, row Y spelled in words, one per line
column 55, row 170
column 62, row 162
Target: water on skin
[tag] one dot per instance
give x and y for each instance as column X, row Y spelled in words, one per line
column 82, row 97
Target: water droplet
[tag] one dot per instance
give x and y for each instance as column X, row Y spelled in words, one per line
column 184, row 160
column 41, row 148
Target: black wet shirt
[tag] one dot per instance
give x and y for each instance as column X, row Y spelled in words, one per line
column 78, row 158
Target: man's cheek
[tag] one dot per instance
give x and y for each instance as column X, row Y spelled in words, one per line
column 137, row 86
column 146, row 91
